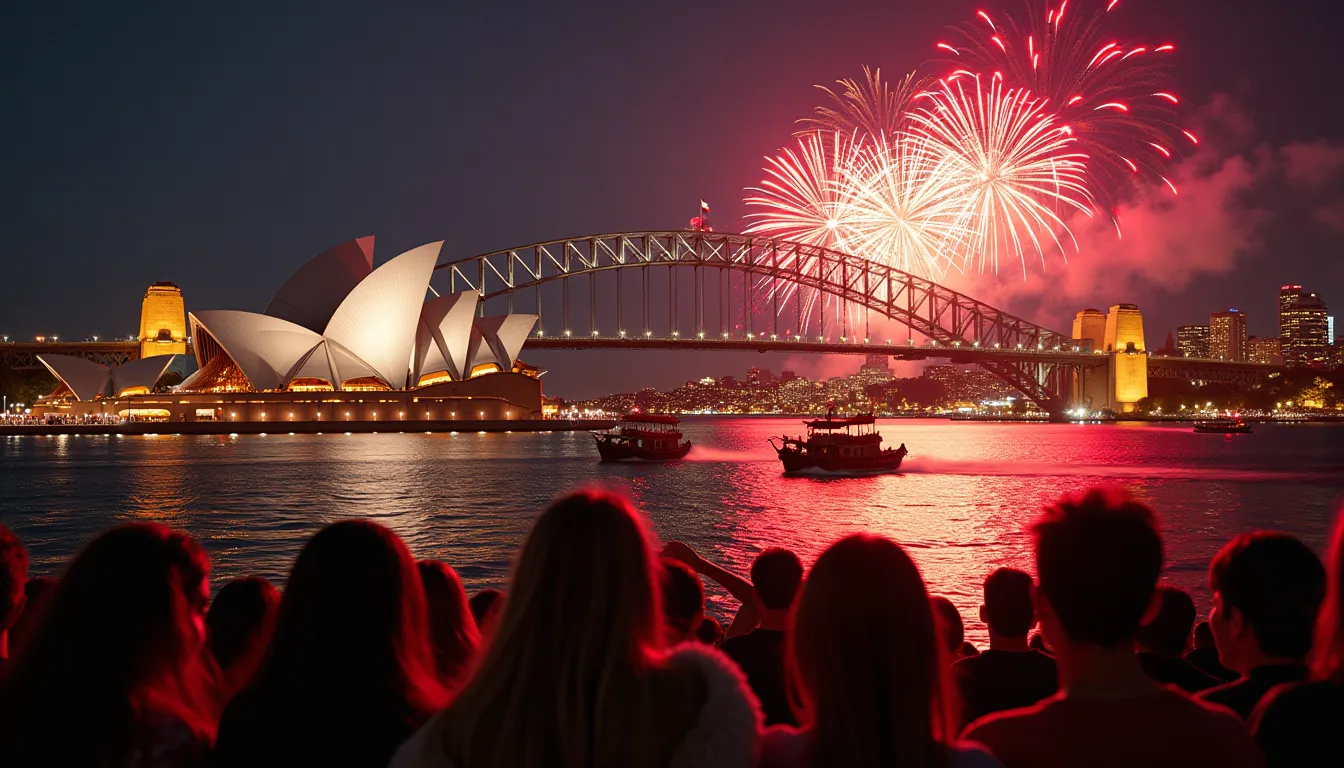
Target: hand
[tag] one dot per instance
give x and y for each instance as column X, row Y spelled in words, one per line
column 681, row 551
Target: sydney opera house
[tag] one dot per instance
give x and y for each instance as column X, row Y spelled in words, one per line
column 340, row 341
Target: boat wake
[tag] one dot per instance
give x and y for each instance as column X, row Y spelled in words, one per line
column 927, row 465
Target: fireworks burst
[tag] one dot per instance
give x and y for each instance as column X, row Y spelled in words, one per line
column 1008, row 165
column 1112, row 95
column 869, row 108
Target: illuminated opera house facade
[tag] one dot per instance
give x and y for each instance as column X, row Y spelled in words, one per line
column 340, row 341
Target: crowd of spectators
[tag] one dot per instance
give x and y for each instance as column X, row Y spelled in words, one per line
column 599, row 653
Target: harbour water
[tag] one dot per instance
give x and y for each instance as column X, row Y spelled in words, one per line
column 961, row 503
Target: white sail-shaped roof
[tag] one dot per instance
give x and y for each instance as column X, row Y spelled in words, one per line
column 377, row 320
column 315, row 365
column 443, row 337
column 479, row 352
column 84, row 378
column 265, row 348
column 348, row 366
column 505, row 335
column 144, row 372
column 310, row 297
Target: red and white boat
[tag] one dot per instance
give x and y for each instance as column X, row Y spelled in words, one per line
column 642, row 437
column 839, row 446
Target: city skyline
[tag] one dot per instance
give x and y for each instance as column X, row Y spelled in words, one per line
column 220, row 171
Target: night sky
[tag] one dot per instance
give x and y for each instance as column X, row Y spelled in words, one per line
column 221, row 149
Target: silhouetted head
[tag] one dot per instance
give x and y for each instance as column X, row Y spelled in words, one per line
column 1327, row 661
column 1203, row 635
column 485, row 606
column 37, row 594
column 872, row 694
column 120, row 641
column 566, row 677
column 951, row 629
column 1267, row 589
column 1168, row 631
column 13, row 576
column 352, row 627
column 683, row 600
column 710, row 631
column 239, row 626
column 1097, row 560
column 776, row 574
column 1008, row 609
column 452, row 629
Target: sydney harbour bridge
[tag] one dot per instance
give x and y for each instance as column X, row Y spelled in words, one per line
column 701, row 290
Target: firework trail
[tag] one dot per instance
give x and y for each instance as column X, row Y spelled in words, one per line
column 871, row 108
column 1114, row 95
column 1007, row 163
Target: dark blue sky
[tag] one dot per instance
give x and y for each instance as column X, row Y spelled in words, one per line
column 222, row 148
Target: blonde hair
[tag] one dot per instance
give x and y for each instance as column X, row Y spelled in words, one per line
column 572, row 673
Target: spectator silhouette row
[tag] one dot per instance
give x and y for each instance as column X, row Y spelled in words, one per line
column 600, row 654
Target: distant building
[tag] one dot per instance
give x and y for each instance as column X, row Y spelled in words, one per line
column 1304, row 326
column 969, row 387
column 163, row 321
column 874, row 370
column 786, row 376
column 1265, row 351
column 1227, row 336
column 759, row 376
column 1330, row 328
column 1192, row 341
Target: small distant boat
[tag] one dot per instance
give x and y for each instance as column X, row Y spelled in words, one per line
column 1223, row 426
column 839, row 446
column 642, row 437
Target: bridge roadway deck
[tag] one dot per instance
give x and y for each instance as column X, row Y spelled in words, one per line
column 961, row 354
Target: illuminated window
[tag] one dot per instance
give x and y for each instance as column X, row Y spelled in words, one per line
column 484, row 369
column 304, row 384
column 365, row 384
column 438, row 377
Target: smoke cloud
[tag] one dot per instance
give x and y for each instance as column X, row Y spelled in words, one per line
column 1232, row 193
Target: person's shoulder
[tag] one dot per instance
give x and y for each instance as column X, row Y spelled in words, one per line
column 968, row 754
column 782, row 746
column 1222, row 694
column 422, row 749
column 1292, row 701
column 1012, row 722
column 1196, row 711
column 729, row 720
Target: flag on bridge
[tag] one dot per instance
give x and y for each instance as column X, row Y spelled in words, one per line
column 704, row 206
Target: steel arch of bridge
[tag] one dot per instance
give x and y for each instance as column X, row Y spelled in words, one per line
column 939, row 314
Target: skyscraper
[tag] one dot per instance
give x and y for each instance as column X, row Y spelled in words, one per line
column 1192, row 341
column 1266, row 351
column 1227, row 336
column 1304, row 326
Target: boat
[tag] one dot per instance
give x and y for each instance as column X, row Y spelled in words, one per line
column 1223, row 426
column 838, row 446
column 642, row 437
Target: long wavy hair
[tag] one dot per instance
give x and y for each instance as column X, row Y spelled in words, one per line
column 351, row 631
column 865, row 660
column 572, row 675
column 120, row 645
column 452, row 628
column 1327, row 658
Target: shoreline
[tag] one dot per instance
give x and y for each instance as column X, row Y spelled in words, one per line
column 307, row 427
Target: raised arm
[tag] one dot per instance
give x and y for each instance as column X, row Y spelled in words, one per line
column 737, row 586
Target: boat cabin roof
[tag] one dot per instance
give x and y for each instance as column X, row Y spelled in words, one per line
column 842, row 423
